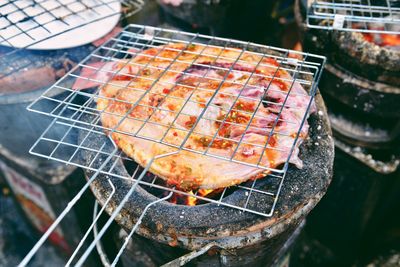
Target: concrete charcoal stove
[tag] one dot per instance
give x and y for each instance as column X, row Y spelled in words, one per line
column 361, row 90
column 239, row 237
column 363, row 36
column 359, row 84
column 363, row 72
column 361, row 78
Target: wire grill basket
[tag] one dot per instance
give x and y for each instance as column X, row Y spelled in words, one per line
column 77, row 137
column 366, row 16
column 75, row 108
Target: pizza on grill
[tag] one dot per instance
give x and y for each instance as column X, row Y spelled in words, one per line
column 192, row 99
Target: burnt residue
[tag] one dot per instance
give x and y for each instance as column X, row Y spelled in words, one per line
column 358, row 93
column 360, row 128
column 387, row 165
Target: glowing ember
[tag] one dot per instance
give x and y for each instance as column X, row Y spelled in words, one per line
column 383, row 39
column 192, row 200
column 205, row 192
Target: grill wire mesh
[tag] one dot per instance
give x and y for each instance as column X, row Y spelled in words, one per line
column 26, row 23
column 76, row 130
column 369, row 16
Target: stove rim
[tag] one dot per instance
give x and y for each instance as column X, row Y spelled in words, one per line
column 147, row 226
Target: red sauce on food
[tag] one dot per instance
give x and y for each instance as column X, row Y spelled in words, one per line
column 282, row 85
column 123, row 77
column 246, row 106
column 191, row 121
column 272, row 141
column 271, row 61
column 269, row 152
column 235, row 117
column 217, row 143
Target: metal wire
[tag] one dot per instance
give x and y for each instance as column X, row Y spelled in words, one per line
column 26, row 23
column 69, row 113
column 28, row 18
column 305, row 72
column 366, row 16
column 77, row 132
column 100, row 250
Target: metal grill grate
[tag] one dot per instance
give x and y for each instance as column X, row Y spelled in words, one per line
column 25, row 23
column 77, row 137
column 369, row 16
column 43, row 24
column 101, row 65
column 75, row 108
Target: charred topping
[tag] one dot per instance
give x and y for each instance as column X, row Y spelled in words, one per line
column 146, row 72
column 271, row 99
column 235, row 117
column 155, row 100
column 191, row 121
column 122, row 77
column 217, row 143
column 191, row 47
column 271, row 61
column 245, row 106
column 282, row 85
column 221, row 72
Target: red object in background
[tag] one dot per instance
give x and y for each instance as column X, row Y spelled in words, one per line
column 108, row 36
column 383, row 39
column 35, row 205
